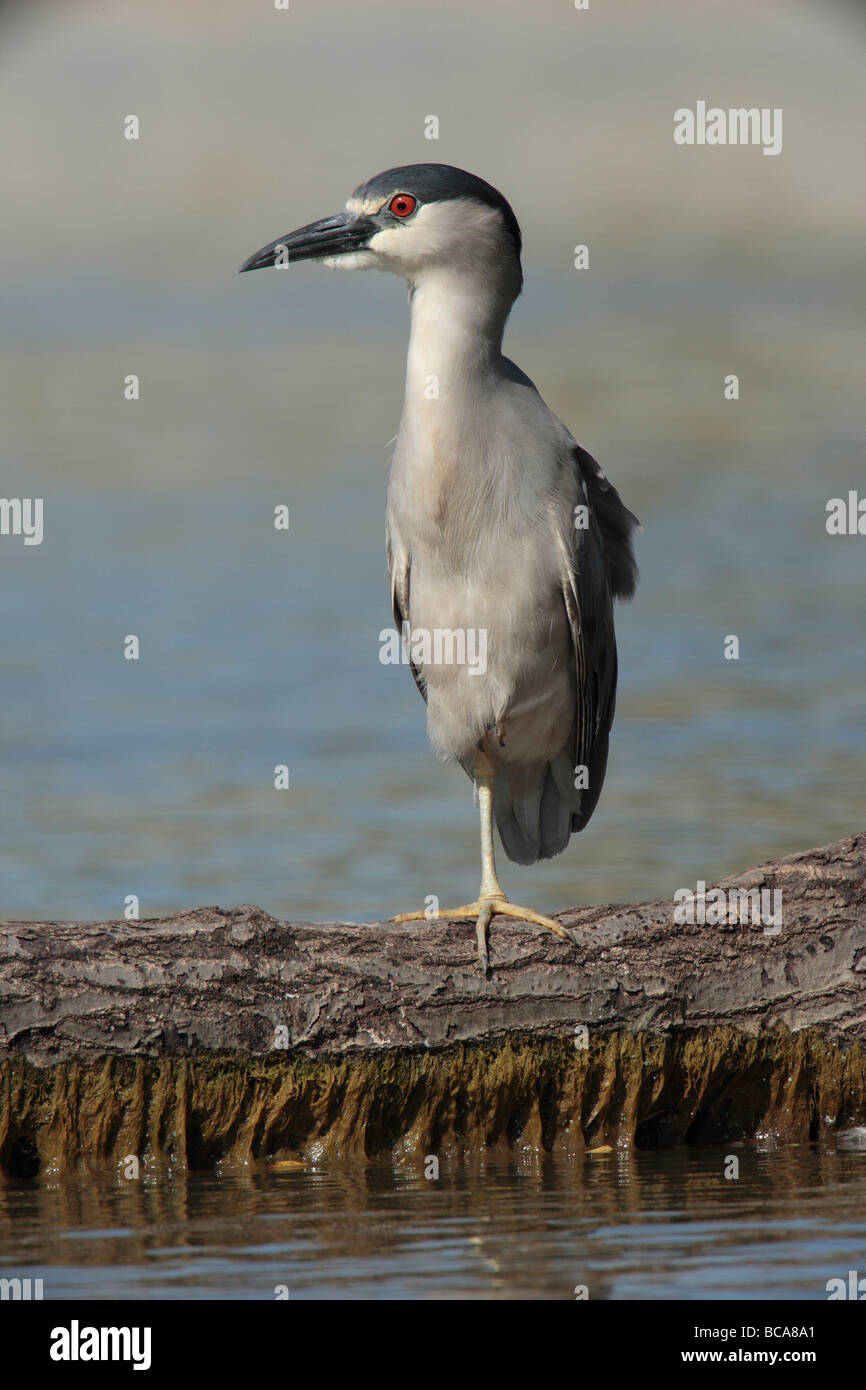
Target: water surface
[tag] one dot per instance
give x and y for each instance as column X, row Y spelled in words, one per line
column 639, row 1225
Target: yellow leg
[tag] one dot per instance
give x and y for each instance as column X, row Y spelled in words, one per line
column 491, row 900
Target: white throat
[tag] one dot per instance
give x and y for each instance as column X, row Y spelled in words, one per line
column 458, row 320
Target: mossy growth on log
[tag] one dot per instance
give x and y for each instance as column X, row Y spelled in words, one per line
column 197, row 1111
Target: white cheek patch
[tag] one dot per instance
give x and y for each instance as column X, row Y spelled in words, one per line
column 387, row 240
column 450, row 229
column 351, row 260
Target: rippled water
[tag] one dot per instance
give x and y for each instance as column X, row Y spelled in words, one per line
column 646, row 1225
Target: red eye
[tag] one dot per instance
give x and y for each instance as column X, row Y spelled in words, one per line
column 403, row 205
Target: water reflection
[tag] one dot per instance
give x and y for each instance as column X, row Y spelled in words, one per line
column 626, row 1224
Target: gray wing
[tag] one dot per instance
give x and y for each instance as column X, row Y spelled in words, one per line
column 616, row 524
column 600, row 568
column 399, row 570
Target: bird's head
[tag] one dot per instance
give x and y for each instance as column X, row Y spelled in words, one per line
column 413, row 220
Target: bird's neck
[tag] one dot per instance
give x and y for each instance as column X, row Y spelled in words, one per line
column 458, row 321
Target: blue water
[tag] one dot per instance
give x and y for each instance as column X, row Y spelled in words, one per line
column 646, row 1225
column 259, row 648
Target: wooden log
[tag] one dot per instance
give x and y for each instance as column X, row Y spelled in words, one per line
column 227, row 1034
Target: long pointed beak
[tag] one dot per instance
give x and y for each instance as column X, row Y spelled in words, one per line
column 333, row 236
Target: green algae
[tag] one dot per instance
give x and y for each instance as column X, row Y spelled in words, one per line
column 199, row 1110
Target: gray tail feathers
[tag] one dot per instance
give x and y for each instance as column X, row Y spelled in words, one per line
column 538, row 808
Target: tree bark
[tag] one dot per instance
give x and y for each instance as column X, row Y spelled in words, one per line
column 223, row 988
column 240, row 980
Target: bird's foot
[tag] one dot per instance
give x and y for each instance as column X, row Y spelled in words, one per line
column 484, row 908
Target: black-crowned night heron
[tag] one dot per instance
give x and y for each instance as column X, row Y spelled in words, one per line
column 498, row 522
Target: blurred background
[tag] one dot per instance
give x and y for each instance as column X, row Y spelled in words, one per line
column 260, row 647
